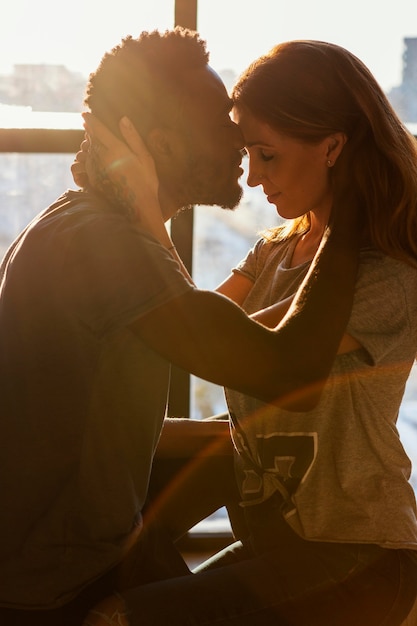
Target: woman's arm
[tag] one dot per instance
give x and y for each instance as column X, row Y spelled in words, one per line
column 237, row 287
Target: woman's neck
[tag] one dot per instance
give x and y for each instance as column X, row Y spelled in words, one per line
column 308, row 243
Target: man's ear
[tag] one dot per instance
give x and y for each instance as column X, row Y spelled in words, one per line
column 161, row 143
column 335, row 144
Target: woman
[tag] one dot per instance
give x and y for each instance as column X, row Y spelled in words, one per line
column 331, row 514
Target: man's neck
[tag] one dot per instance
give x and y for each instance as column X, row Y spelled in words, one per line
column 169, row 206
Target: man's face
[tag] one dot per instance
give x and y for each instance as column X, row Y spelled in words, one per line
column 208, row 145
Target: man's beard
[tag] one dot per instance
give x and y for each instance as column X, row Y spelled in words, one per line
column 201, row 186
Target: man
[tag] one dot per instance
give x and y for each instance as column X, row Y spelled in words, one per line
column 92, row 311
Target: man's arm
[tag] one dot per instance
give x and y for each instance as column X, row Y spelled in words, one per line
column 183, row 437
column 206, row 334
column 211, row 337
column 237, row 287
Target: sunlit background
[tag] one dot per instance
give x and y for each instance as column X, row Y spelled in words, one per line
column 77, row 33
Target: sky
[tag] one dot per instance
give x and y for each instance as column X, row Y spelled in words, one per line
column 77, row 33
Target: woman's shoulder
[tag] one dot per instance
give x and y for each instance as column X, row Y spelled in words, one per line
column 275, row 245
column 372, row 258
column 387, row 278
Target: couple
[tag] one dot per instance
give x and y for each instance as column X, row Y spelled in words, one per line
column 313, row 342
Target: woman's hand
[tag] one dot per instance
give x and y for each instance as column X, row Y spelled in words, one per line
column 129, row 175
column 126, row 171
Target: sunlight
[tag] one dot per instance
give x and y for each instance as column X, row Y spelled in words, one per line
column 13, row 116
column 237, row 31
column 75, row 35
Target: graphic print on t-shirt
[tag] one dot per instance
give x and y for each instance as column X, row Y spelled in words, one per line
column 285, row 457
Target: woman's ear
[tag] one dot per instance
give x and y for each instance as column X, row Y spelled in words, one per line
column 334, row 146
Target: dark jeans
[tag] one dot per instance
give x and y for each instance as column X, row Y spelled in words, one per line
column 271, row 577
column 278, row 578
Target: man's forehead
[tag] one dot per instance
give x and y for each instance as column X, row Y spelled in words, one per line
column 207, row 91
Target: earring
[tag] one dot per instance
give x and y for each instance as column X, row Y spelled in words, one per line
column 329, row 163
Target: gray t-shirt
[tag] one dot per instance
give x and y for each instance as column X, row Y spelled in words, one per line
column 341, row 466
column 83, row 398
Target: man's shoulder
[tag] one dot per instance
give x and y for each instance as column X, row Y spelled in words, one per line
column 78, row 202
column 76, row 211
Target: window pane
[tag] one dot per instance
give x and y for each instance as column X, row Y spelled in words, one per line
column 28, row 184
column 74, row 34
column 238, row 31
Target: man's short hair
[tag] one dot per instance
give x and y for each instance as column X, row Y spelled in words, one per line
column 144, row 78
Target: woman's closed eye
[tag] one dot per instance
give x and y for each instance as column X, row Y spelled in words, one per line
column 265, row 156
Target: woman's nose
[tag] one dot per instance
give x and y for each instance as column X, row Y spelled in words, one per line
column 254, row 177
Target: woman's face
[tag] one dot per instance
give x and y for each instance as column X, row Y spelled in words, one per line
column 294, row 174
